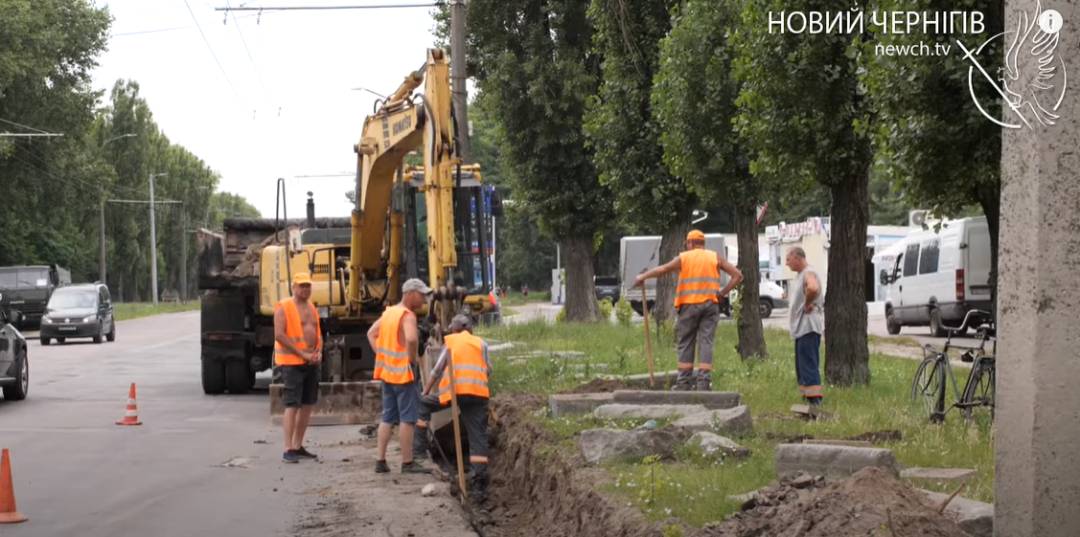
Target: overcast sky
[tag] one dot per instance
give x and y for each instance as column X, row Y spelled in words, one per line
column 281, row 107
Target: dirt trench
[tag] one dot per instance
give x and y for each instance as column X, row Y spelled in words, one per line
column 537, row 490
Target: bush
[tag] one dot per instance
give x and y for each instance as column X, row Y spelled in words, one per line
column 605, row 306
column 624, row 312
column 561, row 316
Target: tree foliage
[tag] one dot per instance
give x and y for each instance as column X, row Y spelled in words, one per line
column 533, row 59
column 804, row 114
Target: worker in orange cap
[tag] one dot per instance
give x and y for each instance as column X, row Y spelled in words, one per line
column 697, row 301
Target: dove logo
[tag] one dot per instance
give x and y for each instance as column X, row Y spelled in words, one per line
column 1033, row 80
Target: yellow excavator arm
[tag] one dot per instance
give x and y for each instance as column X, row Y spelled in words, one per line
column 403, row 123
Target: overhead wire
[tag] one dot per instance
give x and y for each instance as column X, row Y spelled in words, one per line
column 243, row 41
column 211, row 49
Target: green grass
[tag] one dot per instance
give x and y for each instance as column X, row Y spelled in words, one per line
column 695, row 489
column 133, row 310
column 515, row 298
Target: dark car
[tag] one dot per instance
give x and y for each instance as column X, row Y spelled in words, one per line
column 26, row 289
column 83, row 310
column 14, row 358
column 607, row 287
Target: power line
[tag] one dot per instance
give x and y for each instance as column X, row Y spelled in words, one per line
column 243, row 41
column 211, row 49
column 325, row 8
column 27, row 127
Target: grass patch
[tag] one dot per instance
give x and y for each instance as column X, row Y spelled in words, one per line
column 902, row 341
column 133, row 310
column 696, row 490
column 506, row 311
column 514, row 298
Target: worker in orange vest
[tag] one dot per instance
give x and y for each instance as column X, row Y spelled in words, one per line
column 297, row 355
column 472, row 371
column 395, row 340
column 697, row 301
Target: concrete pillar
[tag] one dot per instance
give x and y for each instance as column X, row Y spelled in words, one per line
column 1037, row 439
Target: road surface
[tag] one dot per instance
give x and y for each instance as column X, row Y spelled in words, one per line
column 77, row 473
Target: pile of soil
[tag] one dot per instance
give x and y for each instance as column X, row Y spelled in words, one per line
column 870, row 503
column 537, row 490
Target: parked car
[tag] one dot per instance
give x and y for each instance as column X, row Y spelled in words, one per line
column 938, row 276
column 770, row 296
column 27, row 289
column 607, row 287
column 83, row 310
column 14, row 357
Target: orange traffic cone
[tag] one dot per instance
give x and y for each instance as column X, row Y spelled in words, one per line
column 131, row 415
column 8, row 514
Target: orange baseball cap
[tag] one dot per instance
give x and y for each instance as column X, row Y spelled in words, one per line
column 301, row 278
column 695, row 235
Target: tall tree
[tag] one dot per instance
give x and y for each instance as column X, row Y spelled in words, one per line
column 932, row 142
column 623, row 132
column 695, row 101
column 534, row 59
column 804, row 114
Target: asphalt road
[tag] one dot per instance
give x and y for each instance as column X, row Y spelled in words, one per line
column 77, row 473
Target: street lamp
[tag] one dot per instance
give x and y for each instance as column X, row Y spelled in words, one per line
column 101, row 213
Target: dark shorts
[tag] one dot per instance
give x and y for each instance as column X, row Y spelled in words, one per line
column 301, row 384
column 400, row 403
column 474, row 417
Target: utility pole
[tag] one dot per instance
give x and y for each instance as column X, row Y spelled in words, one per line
column 102, row 277
column 458, row 11
column 183, row 253
column 153, row 241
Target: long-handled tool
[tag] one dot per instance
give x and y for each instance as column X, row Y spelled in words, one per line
column 648, row 340
column 457, row 430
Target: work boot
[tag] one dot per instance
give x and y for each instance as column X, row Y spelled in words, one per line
column 420, row 445
column 704, row 381
column 413, row 467
column 478, row 483
column 684, row 382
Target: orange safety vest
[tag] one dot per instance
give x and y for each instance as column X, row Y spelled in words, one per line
column 699, row 279
column 294, row 331
column 470, row 370
column 391, row 355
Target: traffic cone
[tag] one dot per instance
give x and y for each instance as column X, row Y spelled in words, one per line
column 8, row 514
column 131, row 415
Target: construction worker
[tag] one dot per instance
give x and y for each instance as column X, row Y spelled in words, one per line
column 472, row 369
column 297, row 354
column 395, row 339
column 807, row 324
column 697, row 301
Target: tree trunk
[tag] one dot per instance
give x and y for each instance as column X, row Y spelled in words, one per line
column 847, row 357
column 580, row 289
column 671, row 243
column 751, row 335
column 990, row 201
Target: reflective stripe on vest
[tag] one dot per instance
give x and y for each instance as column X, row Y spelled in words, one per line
column 294, row 332
column 470, row 370
column 391, row 355
column 699, row 278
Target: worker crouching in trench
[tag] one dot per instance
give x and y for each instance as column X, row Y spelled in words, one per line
column 472, row 369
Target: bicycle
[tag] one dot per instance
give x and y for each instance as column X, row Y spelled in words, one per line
column 935, row 372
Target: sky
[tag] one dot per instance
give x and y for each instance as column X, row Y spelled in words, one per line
column 267, row 96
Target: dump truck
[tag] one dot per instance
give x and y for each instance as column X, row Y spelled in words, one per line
column 405, row 224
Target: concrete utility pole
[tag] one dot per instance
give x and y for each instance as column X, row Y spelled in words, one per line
column 102, row 275
column 153, row 240
column 458, row 11
column 183, row 253
column 1037, row 480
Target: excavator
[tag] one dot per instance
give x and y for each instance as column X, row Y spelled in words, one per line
column 406, row 223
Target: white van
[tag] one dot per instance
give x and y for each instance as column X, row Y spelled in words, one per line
column 938, row 276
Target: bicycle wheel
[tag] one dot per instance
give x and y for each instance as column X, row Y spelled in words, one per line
column 929, row 388
column 979, row 390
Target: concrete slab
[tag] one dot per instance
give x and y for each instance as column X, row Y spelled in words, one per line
column 830, row 460
column 975, row 517
column 937, row 474
column 714, row 445
column 572, row 404
column 710, row 400
column 725, row 420
column 810, row 412
column 662, row 378
column 622, row 411
column 598, row 445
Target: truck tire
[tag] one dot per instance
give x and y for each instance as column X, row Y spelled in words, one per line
column 99, row 337
column 45, row 341
column 237, row 376
column 936, row 328
column 891, row 324
column 213, row 376
column 111, row 336
column 765, row 308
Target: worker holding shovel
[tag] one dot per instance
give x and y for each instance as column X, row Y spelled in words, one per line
column 470, row 366
column 697, row 301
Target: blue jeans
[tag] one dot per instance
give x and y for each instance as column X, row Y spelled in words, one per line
column 807, row 362
column 400, row 403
